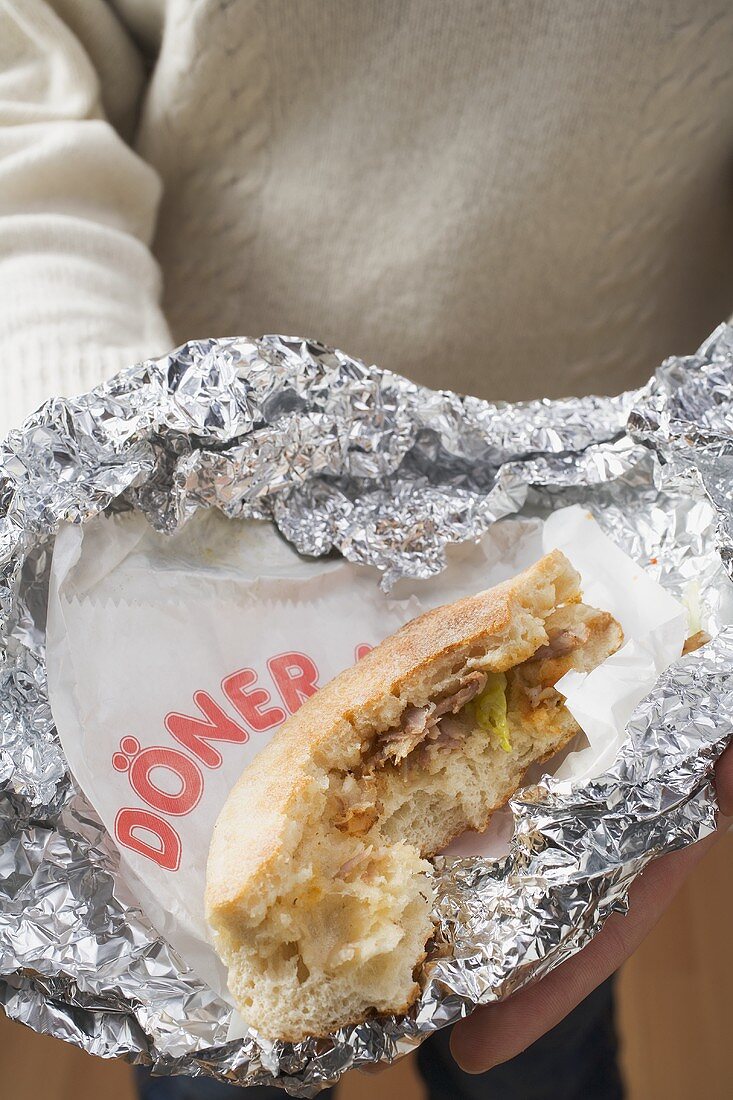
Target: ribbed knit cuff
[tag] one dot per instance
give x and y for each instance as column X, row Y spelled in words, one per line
column 31, row 373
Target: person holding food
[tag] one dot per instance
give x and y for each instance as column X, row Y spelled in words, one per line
column 511, row 201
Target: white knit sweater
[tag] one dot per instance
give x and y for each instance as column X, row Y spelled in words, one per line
column 509, row 199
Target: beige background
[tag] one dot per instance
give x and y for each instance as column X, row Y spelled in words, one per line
column 674, row 1018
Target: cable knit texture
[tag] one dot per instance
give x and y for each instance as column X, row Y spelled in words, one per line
column 508, row 199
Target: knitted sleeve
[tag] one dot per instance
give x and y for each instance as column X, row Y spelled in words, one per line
column 79, row 288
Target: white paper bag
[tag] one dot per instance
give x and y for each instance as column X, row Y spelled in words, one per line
column 173, row 659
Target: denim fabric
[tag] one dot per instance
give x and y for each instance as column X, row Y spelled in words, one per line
column 577, row 1060
column 204, row 1088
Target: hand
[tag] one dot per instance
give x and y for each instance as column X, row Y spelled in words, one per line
column 497, row 1032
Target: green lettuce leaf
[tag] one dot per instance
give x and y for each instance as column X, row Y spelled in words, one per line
column 489, row 709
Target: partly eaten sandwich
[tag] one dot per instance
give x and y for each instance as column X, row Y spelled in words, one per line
column 317, row 889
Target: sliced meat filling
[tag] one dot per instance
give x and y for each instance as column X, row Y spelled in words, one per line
column 480, row 699
column 427, row 723
column 579, row 638
column 481, row 696
column 563, row 643
column 471, row 685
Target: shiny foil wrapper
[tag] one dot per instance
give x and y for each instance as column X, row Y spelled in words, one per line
column 347, row 458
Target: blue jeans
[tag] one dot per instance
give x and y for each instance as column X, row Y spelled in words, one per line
column 577, row 1060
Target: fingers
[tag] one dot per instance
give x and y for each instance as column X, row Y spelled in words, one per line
column 724, row 782
column 498, row 1032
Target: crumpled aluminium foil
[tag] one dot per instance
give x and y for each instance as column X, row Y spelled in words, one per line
column 344, row 457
